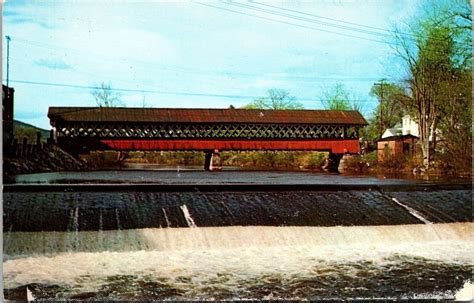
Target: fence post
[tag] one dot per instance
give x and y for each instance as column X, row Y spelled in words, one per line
column 24, row 147
column 38, row 140
column 51, row 136
column 15, row 147
column 9, row 148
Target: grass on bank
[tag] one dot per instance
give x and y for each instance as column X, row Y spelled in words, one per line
column 24, row 130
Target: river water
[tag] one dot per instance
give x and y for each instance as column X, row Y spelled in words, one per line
column 259, row 244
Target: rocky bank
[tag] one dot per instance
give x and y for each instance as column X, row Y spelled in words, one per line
column 49, row 159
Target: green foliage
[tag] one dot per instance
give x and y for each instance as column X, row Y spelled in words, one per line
column 168, row 158
column 275, row 99
column 361, row 163
column 336, row 98
column 274, row 160
column 314, row 160
column 370, row 158
column 389, row 111
column 339, row 97
column 436, row 62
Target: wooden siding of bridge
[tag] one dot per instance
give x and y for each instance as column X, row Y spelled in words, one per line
column 336, row 146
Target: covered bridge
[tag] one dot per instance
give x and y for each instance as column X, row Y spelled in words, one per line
column 79, row 129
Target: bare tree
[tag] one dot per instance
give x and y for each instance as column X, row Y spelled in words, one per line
column 105, row 96
column 144, row 103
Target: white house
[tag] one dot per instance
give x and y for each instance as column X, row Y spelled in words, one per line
column 408, row 127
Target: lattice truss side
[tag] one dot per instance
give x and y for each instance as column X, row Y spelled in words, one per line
column 202, row 131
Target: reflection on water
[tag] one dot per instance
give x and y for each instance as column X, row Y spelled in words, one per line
column 243, row 262
column 199, row 177
column 149, row 173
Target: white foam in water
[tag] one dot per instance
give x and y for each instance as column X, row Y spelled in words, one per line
column 413, row 212
column 75, row 219
column 29, row 295
column 117, row 219
column 223, row 254
column 187, row 216
column 466, row 293
column 166, row 218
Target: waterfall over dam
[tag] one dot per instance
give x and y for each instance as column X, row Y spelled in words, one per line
column 231, row 237
column 212, row 242
column 44, row 208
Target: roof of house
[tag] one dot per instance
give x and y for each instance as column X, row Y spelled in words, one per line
column 203, row 115
column 395, row 138
column 390, row 132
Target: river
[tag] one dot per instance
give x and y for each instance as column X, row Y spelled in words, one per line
column 155, row 235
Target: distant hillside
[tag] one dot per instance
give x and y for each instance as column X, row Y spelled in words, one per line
column 24, row 130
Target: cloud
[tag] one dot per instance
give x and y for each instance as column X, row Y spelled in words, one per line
column 53, row 64
column 26, row 20
column 7, row 14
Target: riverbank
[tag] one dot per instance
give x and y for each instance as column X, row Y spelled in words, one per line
column 49, row 158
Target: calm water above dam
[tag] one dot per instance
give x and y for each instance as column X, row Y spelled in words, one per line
column 174, row 235
column 193, row 175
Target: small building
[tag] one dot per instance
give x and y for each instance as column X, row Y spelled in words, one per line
column 396, row 146
column 398, row 141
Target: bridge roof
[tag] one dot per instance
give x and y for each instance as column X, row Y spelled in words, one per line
column 201, row 115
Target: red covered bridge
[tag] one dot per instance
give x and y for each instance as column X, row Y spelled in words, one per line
column 79, row 129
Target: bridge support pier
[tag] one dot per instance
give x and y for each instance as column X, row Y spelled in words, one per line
column 210, row 158
column 332, row 162
column 207, row 160
column 216, row 161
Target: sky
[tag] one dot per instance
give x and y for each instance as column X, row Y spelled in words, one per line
column 196, row 54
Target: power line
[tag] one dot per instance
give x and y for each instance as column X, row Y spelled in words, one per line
column 133, row 90
column 286, row 15
column 410, row 36
column 292, row 24
column 330, row 19
column 243, row 97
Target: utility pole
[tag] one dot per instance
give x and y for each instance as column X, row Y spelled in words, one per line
column 8, row 57
column 381, row 83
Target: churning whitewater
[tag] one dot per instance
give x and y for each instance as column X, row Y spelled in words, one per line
column 242, row 262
